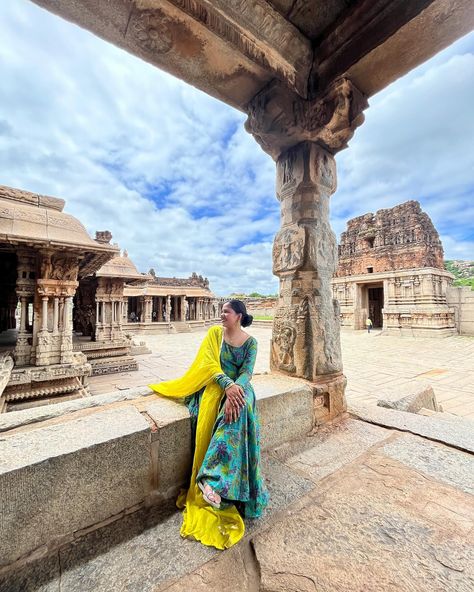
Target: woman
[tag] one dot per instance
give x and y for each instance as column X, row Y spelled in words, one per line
column 226, row 481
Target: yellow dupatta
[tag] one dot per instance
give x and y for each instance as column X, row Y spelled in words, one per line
column 215, row 528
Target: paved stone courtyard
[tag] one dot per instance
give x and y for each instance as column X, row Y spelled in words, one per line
column 372, row 363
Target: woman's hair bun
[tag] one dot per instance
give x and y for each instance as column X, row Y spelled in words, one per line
column 239, row 307
column 247, row 320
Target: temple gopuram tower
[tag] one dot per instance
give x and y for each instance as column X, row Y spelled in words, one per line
column 391, row 270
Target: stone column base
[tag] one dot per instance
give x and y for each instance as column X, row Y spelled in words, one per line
column 329, row 400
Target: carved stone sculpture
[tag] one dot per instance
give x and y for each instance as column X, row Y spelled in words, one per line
column 279, row 119
column 302, row 135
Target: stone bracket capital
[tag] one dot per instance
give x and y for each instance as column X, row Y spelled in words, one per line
column 279, row 118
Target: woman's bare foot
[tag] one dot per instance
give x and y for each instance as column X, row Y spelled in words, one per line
column 210, row 496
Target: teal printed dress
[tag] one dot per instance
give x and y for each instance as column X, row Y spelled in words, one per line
column 232, row 462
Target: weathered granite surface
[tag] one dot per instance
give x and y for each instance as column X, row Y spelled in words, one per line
column 49, row 477
column 16, row 419
column 386, row 520
column 378, row 525
column 42, row 576
column 446, row 464
column 331, row 448
column 452, row 430
column 285, row 406
column 171, row 447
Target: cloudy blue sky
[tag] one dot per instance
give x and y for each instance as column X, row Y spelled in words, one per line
column 174, row 176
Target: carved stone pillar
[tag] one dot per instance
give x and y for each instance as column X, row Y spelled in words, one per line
column 147, row 310
column 44, row 314
column 306, row 329
column 302, row 136
column 184, row 308
column 168, row 309
column 200, row 308
column 56, row 316
column 160, row 309
column 66, row 336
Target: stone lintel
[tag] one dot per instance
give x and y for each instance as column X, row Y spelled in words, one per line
column 258, row 31
column 433, row 29
column 370, row 278
column 366, row 25
column 279, row 119
column 228, row 50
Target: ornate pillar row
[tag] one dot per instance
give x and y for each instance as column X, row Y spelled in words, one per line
column 302, row 137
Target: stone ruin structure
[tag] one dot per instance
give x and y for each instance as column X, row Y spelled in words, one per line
column 44, row 253
column 391, row 269
column 302, row 71
column 79, row 302
column 165, row 305
column 100, row 313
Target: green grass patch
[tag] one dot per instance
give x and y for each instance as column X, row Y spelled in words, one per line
column 262, row 318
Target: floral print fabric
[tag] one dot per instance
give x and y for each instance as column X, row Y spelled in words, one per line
column 231, row 465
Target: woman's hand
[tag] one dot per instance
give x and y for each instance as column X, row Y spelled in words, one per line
column 231, row 413
column 235, row 394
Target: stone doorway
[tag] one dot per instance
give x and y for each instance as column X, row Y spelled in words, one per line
column 375, row 305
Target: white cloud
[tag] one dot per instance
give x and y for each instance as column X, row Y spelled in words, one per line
column 172, row 172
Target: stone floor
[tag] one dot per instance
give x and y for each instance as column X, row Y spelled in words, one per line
column 371, row 363
column 354, row 508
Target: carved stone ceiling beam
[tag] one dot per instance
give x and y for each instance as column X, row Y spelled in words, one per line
column 377, row 41
column 259, row 32
column 229, row 49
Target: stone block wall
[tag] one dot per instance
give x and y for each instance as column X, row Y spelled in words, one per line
column 73, row 467
column 461, row 299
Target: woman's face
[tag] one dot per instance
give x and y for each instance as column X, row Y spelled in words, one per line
column 229, row 317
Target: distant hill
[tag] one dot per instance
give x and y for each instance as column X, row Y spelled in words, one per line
column 463, row 271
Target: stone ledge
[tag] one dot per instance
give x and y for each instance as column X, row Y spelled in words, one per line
column 16, row 419
column 442, row 427
column 80, row 470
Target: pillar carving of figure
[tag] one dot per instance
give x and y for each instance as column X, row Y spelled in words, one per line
column 302, row 136
column 168, row 309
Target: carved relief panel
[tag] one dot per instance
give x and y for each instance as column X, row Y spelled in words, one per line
column 288, row 249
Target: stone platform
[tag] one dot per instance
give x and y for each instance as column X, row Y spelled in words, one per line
column 354, row 507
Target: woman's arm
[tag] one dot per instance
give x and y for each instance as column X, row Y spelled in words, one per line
column 223, row 381
column 246, row 370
